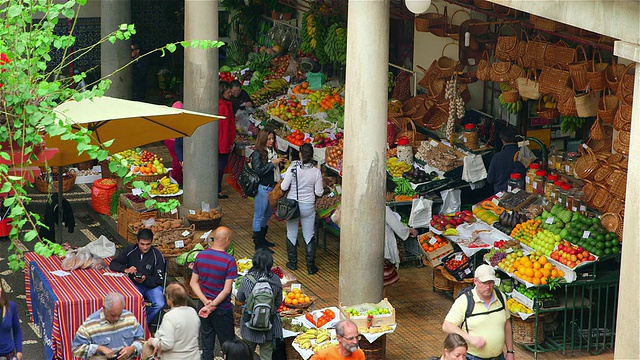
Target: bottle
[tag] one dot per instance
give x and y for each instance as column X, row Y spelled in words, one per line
column 470, row 136
column 564, row 194
column 531, row 174
column 570, row 163
column 538, row 182
column 515, row 182
column 557, row 187
column 548, row 187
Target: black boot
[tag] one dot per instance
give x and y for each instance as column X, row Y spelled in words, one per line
column 264, row 236
column 311, row 257
column 292, row 255
column 259, row 242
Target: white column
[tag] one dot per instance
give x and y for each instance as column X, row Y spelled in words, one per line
column 113, row 56
column 201, row 94
column 364, row 163
column 627, row 325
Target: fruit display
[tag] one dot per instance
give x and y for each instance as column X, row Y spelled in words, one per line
column 512, row 200
column 591, row 236
column 336, row 44
column 335, row 116
column 302, row 88
column 271, row 89
column 396, row 168
column 508, row 260
column 164, row 186
column 244, row 265
column 526, row 231
column 571, row 123
column 321, row 140
column 442, row 222
column 286, row 108
column 308, row 124
column 320, row 320
column 204, row 215
column 403, row 187
column 516, row 306
column 506, row 286
column 543, row 296
column 431, row 242
column 512, row 107
column 550, row 102
column 508, row 220
column 324, row 99
column 545, row 241
column 457, row 261
column 417, row 176
column 226, row 76
column 485, row 215
column 570, row 255
column 556, row 219
column 314, row 340
column 141, row 162
column 535, row 269
column 296, row 297
column 489, row 205
column 333, row 155
column 279, row 65
column 297, row 138
column 158, row 226
column 373, row 312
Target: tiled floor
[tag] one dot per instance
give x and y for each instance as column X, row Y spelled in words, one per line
column 419, row 311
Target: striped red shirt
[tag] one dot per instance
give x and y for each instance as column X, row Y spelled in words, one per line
column 213, row 268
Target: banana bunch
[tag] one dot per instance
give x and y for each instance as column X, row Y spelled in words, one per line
column 273, row 87
column 305, row 43
column 164, row 187
column 571, row 123
column 397, row 168
column 451, row 232
column 318, row 41
column 391, row 81
column 504, row 86
column 550, row 102
column 336, row 44
column 311, row 30
column 318, row 347
column 318, row 336
column 513, row 108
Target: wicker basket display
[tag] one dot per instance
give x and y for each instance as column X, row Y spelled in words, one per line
column 427, row 20
column 544, row 112
column 601, row 199
column 440, row 282
column 616, row 206
column 618, row 184
column 589, row 191
column 204, row 224
column 578, row 70
column 625, row 87
column 613, row 75
column 607, row 107
column 553, row 80
column 602, row 173
column 560, row 54
column 596, row 72
column 586, row 164
column 68, row 180
column 524, row 331
column 622, row 119
column 510, row 96
column 610, row 221
column 545, row 24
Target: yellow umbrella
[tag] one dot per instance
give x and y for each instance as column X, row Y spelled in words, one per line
column 128, row 123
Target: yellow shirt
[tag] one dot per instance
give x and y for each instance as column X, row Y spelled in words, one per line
column 489, row 326
column 332, row 353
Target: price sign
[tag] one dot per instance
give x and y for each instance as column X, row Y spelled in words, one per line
column 586, row 234
column 265, row 81
column 296, row 286
column 206, row 235
column 549, row 220
column 287, row 78
column 192, row 212
column 304, row 102
column 433, row 143
column 574, row 208
column 495, row 201
column 185, row 233
column 509, row 250
column 433, row 241
column 244, row 71
column 246, row 83
column 174, row 211
column 467, row 271
column 458, row 257
column 516, row 190
column 137, row 191
column 535, row 184
column 179, row 244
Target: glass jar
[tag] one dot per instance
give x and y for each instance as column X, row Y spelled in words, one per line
column 573, row 200
column 404, row 150
column 557, row 187
column 470, row 136
column 515, row 182
column 531, row 174
column 578, row 201
column 548, row 187
column 570, row 163
column 558, row 160
column 538, row 182
column 564, row 194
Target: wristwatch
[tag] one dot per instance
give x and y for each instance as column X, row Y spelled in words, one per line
column 510, row 352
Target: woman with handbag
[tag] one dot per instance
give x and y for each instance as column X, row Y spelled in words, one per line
column 266, row 164
column 304, row 182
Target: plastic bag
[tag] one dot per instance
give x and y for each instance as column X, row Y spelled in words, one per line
column 148, row 222
column 292, row 69
column 69, row 261
column 335, row 217
column 102, row 247
column 525, row 155
column 98, row 264
column 420, row 213
column 450, row 201
column 316, row 80
column 77, row 259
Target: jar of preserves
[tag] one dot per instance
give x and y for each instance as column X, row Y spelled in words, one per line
column 578, row 201
column 470, row 136
column 570, row 163
column 531, row 174
column 404, row 150
column 558, row 160
column 563, row 195
column 548, row 187
column 538, row 182
column 515, row 182
column 557, row 187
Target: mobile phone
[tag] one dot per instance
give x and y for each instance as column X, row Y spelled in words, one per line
column 137, row 276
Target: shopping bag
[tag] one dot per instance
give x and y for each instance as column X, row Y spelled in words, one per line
column 525, row 155
column 420, row 213
column 316, row 80
column 276, row 194
column 102, row 247
column 450, row 201
column 249, row 180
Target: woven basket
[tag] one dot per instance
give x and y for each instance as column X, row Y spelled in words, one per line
column 453, row 30
column 567, row 103
column 534, row 56
column 484, row 68
column 425, row 21
column 607, row 107
column 625, row 87
column 438, row 119
column 614, row 159
column 507, row 45
column 553, row 80
column 205, row 224
column 504, row 10
column 613, row 74
column 483, row 4
column 586, row 164
column 602, row 173
column 524, row 331
column 546, row 113
column 406, row 128
column 587, row 103
column 601, row 199
column 410, row 106
column 578, row 70
column 510, row 96
column 610, row 221
column 596, row 72
column 620, row 145
column 541, row 23
column 559, row 54
column 619, row 230
column 439, row 281
column 437, row 89
column 616, row 206
column 44, row 186
column 505, row 71
column 622, row 120
column 589, row 191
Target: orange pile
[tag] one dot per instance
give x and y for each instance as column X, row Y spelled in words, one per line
column 330, row 100
column 425, row 240
column 296, row 297
column 297, row 138
column 302, row 88
column 535, row 270
column 526, row 231
column 146, row 169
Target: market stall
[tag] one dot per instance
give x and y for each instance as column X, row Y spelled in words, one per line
column 60, row 301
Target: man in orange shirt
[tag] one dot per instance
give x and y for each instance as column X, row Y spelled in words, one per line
column 347, row 347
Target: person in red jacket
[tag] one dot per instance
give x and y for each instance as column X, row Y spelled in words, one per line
column 226, row 132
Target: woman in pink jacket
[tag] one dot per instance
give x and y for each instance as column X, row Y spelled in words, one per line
column 226, row 132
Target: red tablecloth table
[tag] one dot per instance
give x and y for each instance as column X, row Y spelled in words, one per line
column 60, row 304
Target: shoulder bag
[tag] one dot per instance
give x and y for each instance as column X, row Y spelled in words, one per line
column 286, row 208
column 276, row 194
column 249, row 180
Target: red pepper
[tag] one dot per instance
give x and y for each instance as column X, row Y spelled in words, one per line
column 309, row 317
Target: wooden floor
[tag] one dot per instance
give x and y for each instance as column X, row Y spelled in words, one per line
column 419, row 310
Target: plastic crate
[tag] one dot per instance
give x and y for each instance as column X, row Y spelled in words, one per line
column 463, row 271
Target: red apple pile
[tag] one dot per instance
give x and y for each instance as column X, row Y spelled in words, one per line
column 571, row 255
column 321, row 140
column 442, row 222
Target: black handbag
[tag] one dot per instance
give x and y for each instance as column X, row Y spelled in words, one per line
column 286, row 208
column 249, row 180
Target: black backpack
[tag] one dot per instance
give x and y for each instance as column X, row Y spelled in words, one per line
column 470, row 304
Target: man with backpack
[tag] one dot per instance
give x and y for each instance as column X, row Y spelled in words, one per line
column 481, row 317
column 261, row 291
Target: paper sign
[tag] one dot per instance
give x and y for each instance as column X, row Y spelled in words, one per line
column 60, row 273
column 206, row 235
column 174, row 211
column 458, row 257
column 467, row 271
column 246, row 83
column 137, row 191
column 265, row 81
column 495, row 201
column 433, row 241
column 509, row 250
column 574, row 208
column 549, row 220
column 526, row 142
column 304, row 102
column 500, row 194
column 287, row 78
column 516, row 190
column 433, row 143
column 179, row 244
column 244, row 71
column 535, row 184
column 185, row 233
column 192, row 212
column 586, row 234
column 296, row 286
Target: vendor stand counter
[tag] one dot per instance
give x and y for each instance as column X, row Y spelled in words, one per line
column 60, row 304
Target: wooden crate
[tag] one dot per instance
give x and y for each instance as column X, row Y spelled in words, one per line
column 378, row 320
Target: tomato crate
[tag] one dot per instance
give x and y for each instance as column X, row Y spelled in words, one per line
column 462, row 270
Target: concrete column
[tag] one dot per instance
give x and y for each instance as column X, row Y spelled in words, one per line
column 114, row 56
column 627, row 325
column 364, row 164
column 201, row 94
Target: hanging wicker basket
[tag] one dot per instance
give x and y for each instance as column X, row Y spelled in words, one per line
column 589, row 191
column 586, row 164
column 553, row 80
column 607, row 107
column 613, row 75
column 44, row 186
column 610, row 221
column 618, row 184
column 596, row 72
column 425, row 21
column 578, row 70
column 625, row 87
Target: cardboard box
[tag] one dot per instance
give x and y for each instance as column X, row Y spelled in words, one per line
column 435, row 257
column 521, row 298
column 378, row 320
column 88, row 179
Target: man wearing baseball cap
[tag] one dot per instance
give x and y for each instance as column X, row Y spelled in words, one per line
column 487, row 326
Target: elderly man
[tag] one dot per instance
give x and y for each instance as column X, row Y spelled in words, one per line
column 487, row 327
column 109, row 333
column 347, row 347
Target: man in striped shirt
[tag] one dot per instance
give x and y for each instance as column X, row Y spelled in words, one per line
column 109, row 333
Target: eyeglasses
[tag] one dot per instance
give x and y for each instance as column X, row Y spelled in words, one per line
column 351, row 338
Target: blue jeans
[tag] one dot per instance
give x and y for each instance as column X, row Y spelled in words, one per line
column 219, row 323
column 156, row 296
column 261, row 209
column 471, row 357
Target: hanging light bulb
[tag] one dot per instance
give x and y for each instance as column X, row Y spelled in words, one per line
column 417, row 6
